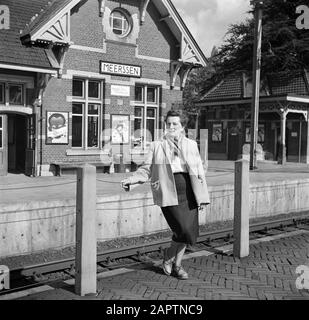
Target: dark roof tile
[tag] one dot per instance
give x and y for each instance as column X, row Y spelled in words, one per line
column 278, row 84
column 51, row 8
column 11, row 49
column 231, row 87
column 285, row 84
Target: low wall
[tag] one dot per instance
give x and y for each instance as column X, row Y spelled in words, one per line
column 35, row 226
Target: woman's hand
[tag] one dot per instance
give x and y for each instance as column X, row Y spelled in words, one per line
column 202, row 206
column 125, row 184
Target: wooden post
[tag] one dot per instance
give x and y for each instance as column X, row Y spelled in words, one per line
column 121, row 164
column 86, row 242
column 307, row 145
column 204, row 146
column 256, row 80
column 241, row 209
column 282, row 147
column 299, row 141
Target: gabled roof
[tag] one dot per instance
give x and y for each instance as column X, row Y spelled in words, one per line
column 230, row 87
column 190, row 50
column 51, row 24
column 12, row 52
column 236, row 85
column 44, row 16
column 47, row 21
column 42, row 24
column 284, row 84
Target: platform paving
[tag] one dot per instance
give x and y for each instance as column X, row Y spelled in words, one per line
column 268, row 273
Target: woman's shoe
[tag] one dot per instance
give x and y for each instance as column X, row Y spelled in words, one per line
column 167, row 264
column 180, row 272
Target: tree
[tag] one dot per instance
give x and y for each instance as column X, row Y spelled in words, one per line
column 198, row 80
column 284, row 47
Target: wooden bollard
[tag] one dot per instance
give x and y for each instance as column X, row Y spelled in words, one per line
column 241, row 209
column 86, row 241
column 204, row 147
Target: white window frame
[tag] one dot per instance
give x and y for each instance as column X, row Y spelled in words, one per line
column 145, row 104
column 80, row 115
column 22, row 92
column 86, row 101
column 6, row 92
column 3, row 92
column 125, row 18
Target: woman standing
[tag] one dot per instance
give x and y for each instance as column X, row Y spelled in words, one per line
column 178, row 186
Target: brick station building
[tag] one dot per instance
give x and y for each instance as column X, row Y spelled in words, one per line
column 78, row 77
column 225, row 110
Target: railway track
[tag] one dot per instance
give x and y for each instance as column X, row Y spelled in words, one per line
column 36, row 275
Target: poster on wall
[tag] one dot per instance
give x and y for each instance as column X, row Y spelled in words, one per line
column 216, row 132
column 120, row 125
column 57, row 127
column 261, row 134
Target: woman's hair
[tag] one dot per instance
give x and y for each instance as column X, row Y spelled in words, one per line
column 182, row 116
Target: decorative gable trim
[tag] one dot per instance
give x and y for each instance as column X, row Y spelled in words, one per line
column 189, row 50
column 306, row 78
column 182, row 69
column 101, row 7
column 57, row 32
column 143, row 7
column 188, row 54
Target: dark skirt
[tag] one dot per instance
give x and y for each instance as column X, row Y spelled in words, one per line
column 183, row 218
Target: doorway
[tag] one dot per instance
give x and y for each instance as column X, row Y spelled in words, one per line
column 17, row 143
column 233, row 141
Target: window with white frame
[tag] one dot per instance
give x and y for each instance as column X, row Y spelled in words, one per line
column 11, row 93
column 145, row 114
column 15, row 93
column 120, row 22
column 86, row 113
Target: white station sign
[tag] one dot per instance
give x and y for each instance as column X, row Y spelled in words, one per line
column 123, row 91
column 120, row 69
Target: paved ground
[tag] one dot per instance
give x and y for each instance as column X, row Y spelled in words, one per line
column 19, row 188
column 268, row 273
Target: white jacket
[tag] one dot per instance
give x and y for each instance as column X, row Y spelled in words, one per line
column 157, row 166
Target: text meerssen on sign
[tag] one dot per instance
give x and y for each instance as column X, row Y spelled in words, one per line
column 120, row 69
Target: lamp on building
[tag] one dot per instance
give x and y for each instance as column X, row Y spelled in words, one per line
column 256, row 80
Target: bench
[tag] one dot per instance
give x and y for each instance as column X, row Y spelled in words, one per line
column 75, row 164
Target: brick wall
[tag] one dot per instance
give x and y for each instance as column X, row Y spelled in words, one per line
column 54, row 99
column 86, row 25
column 155, row 38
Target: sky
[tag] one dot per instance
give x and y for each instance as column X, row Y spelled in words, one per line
column 208, row 20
